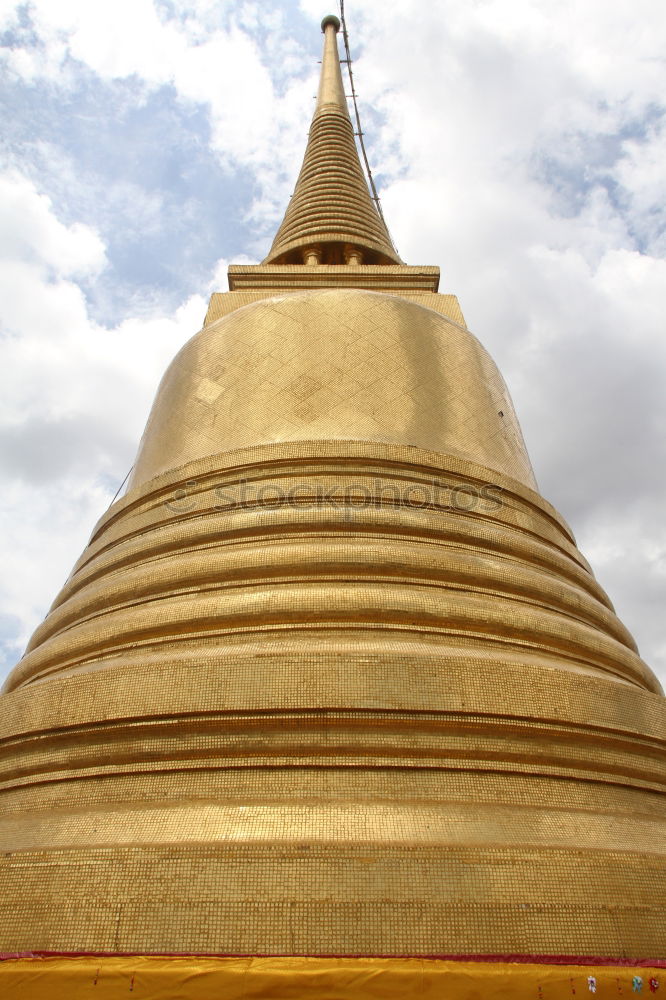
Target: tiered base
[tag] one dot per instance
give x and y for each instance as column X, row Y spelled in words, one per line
column 333, row 698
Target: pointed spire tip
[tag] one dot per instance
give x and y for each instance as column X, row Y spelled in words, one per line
column 331, row 216
column 331, row 96
column 330, row 19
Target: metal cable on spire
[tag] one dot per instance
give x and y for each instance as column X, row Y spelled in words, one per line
column 359, row 132
column 122, row 484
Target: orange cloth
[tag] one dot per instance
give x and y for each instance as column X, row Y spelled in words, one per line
column 292, row 978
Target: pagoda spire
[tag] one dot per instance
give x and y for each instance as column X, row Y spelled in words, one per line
column 331, row 217
column 331, row 94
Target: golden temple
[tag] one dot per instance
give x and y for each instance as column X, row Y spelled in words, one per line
column 331, row 705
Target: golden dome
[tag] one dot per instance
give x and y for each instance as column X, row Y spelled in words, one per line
column 337, row 364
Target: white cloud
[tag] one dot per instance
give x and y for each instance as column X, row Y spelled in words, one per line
column 642, row 179
column 206, row 52
column 30, row 233
column 75, row 395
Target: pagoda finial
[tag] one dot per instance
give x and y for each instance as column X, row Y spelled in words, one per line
column 331, row 218
column 331, row 89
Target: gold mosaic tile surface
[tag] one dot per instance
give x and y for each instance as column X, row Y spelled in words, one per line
column 224, row 303
column 356, row 898
column 307, row 697
column 332, row 678
column 344, row 364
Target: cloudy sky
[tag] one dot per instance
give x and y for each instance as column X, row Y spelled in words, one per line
column 518, row 144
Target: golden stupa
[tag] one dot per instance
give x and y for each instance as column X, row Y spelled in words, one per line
column 332, row 705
